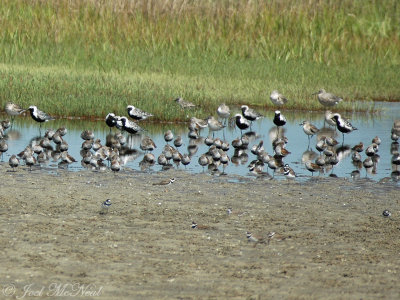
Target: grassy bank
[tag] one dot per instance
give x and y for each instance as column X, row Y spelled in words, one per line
column 75, row 58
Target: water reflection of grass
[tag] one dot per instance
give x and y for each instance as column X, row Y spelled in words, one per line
column 80, row 58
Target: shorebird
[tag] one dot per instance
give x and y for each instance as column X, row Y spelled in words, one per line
column 105, row 206
column 87, row 135
column 376, row 140
column 328, row 118
column 214, row 124
column 137, row 114
column 250, row 114
column 343, row 125
column 372, row 149
column 312, row 167
column 200, row 123
column 147, row 144
column 184, row 104
column 327, row 99
column 66, row 158
column 359, row 147
column 168, row 136
column 129, row 126
column 223, row 111
column 289, row 172
column 38, row 115
column 165, row 181
column 279, row 120
column 115, row 165
column 3, row 148
column 178, row 141
column 13, row 162
column 277, row 98
column 111, row 120
column 13, row 110
column 386, row 213
column 255, row 239
column 242, row 123
column 186, row 159
column 396, row 160
column 309, row 129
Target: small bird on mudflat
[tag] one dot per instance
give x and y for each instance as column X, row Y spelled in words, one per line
column 289, row 172
column 105, row 206
column 13, row 162
column 165, row 181
column 277, row 98
column 309, row 129
column 137, row 114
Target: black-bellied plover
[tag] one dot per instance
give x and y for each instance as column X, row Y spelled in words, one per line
column 13, row 110
column 38, row 115
column 344, row 126
column 242, row 123
column 130, row 126
column 137, row 114
column 279, row 120
column 250, row 114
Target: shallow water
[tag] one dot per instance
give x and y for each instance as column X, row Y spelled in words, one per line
column 25, row 130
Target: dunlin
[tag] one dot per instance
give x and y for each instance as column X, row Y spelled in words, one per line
column 147, row 144
column 13, row 162
column 168, row 136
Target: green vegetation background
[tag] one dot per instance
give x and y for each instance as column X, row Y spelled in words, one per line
column 88, row 58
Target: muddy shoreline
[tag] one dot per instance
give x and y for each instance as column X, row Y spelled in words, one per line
column 336, row 243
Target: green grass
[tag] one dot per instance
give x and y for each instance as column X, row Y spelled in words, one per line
column 87, row 58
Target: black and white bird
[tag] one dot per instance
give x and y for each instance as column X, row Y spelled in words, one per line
column 167, row 181
column 137, row 114
column 129, row 126
column 105, row 206
column 38, row 115
column 250, row 114
column 344, row 126
column 279, row 119
column 241, row 122
column 111, row 120
column 289, row 172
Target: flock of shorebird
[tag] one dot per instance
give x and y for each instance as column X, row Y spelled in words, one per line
column 100, row 157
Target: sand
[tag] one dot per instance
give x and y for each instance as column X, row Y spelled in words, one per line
column 331, row 240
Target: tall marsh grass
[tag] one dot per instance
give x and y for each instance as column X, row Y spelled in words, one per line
column 102, row 55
